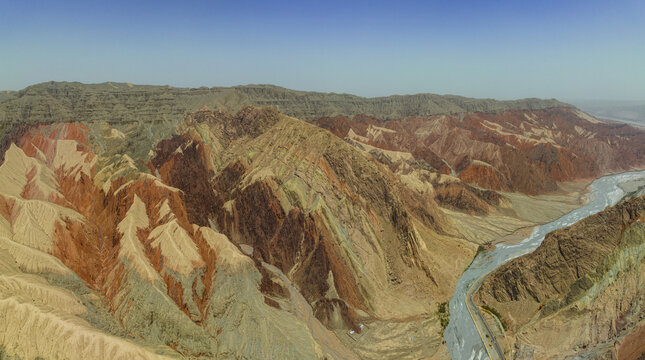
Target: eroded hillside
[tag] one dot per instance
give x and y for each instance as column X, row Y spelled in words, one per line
column 242, row 236
column 123, row 102
column 142, row 222
column 101, row 258
column 525, row 151
column 581, row 292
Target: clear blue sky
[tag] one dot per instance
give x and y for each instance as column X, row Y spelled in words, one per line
column 500, row 49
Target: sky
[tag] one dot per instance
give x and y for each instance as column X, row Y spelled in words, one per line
column 493, row 49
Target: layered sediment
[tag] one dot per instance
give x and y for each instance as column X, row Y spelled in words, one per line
column 149, row 226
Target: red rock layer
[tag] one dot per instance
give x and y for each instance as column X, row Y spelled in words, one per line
column 187, row 170
column 529, row 149
column 484, row 176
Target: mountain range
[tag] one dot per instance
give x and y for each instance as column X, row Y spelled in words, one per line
column 259, row 222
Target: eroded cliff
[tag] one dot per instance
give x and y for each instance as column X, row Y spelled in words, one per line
column 581, row 292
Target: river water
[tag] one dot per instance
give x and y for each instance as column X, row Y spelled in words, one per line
column 461, row 335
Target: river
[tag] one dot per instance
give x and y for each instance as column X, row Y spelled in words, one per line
column 461, row 335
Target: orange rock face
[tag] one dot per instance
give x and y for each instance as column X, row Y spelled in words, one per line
column 484, row 176
column 632, row 345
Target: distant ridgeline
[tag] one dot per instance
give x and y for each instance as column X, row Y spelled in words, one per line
column 121, row 102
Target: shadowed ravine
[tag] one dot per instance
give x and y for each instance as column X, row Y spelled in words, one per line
column 461, row 334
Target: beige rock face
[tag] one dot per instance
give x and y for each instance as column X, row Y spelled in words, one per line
column 580, row 292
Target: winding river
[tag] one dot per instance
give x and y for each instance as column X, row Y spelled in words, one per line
column 461, row 334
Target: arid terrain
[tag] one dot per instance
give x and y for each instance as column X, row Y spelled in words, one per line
column 259, row 222
column 580, row 293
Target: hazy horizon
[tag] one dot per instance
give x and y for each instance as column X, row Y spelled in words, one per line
column 501, row 50
column 565, row 100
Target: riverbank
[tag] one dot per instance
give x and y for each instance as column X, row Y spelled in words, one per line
column 518, row 214
column 545, row 208
column 578, row 293
column 462, row 337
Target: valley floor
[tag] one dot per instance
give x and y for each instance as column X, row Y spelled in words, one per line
column 420, row 338
column 515, row 221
